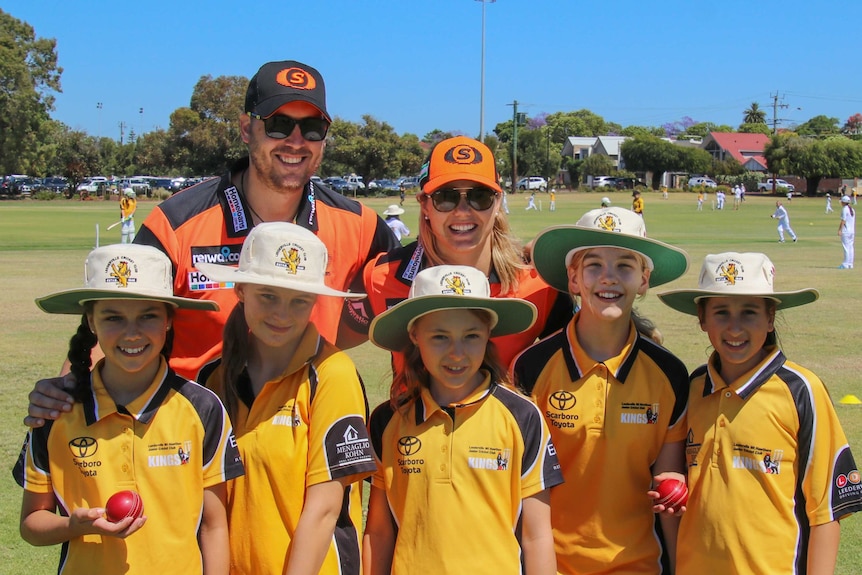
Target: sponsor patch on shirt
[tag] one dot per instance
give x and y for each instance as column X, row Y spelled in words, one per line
column 226, row 255
column 347, row 443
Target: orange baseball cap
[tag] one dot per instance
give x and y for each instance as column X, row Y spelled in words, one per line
column 459, row 158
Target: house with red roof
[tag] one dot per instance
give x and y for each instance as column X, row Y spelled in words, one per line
column 747, row 149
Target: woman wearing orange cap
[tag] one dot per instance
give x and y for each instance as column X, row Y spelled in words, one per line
column 461, row 223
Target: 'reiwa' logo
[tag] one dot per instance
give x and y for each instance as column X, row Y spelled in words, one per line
column 296, row 78
column 463, row 154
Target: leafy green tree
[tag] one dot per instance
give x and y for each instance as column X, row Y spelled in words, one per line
column 814, row 159
column 435, row 136
column 819, row 126
column 755, row 128
column 371, row 150
column 694, row 160
column 597, row 165
column 651, row 154
column 78, row 156
column 28, row 76
column 754, row 115
column 636, row 131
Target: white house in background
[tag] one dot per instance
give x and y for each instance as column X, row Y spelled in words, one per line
column 582, row 147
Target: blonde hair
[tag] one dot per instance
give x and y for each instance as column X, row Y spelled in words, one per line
column 507, row 253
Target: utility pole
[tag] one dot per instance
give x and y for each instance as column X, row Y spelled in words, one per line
column 514, row 145
column 482, row 83
column 775, row 106
column 122, row 126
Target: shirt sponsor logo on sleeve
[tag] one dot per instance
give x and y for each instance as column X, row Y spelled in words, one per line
column 237, row 212
column 347, row 443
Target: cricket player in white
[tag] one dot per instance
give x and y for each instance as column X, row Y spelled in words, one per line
column 783, row 222
column 847, row 232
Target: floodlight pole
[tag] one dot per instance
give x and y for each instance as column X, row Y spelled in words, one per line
column 482, row 77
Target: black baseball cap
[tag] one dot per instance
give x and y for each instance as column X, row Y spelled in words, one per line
column 278, row 83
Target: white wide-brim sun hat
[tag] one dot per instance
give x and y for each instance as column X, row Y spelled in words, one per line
column 123, row 271
column 393, row 210
column 611, row 227
column 732, row 274
column 445, row 288
column 282, row 255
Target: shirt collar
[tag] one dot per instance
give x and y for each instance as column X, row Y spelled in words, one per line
column 580, row 363
column 426, row 406
column 142, row 408
column 751, row 381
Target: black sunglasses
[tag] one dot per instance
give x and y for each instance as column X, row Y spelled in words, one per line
column 447, row 199
column 280, row 127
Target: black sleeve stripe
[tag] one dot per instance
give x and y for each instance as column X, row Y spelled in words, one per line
column 529, row 421
column 210, row 412
column 803, row 399
column 380, row 418
column 207, row 370
column 674, row 369
column 530, row 363
column 559, row 315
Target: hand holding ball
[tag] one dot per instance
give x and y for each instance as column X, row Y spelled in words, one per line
column 124, row 504
column 672, row 493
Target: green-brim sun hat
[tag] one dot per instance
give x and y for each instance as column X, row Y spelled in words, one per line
column 736, row 274
column 612, row 227
column 282, row 255
column 449, row 287
column 123, row 271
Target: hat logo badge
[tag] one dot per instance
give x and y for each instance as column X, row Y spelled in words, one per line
column 728, row 272
column 455, row 284
column 290, row 259
column 296, row 78
column 463, row 154
column 607, row 222
column 119, row 272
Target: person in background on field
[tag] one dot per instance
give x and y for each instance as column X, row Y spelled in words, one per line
column 719, row 199
column 455, row 436
column 765, row 445
column 847, row 232
column 128, row 205
column 637, row 203
column 553, row 200
column 829, row 209
column 460, row 223
column 742, row 192
column 401, row 195
column 284, row 125
column 505, row 202
column 532, row 202
column 664, row 194
column 394, row 222
column 700, row 200
column 131, row 410
column 783, row 222
column 614, row 400
column 299, row 408
column 737, row 197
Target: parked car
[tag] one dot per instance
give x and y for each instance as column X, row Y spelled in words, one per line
column 602, row 181
column 92, row 184
column 16, row 185
column 164, row 183
column 339, row 185
column 409, row 183
column 701, row 181
column 533, row 183
column 628, row 183
column 779, row 183
column 55, row 184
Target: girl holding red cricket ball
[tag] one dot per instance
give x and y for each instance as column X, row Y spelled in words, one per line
column 136, row 426
column 770, row 470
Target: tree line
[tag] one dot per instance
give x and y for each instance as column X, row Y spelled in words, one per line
column 203, row 138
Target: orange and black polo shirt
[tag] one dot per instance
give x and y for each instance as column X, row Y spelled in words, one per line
column 209, row 222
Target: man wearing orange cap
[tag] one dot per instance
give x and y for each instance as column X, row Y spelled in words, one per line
column 284, row 125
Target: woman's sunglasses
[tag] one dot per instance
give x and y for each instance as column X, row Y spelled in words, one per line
column 280, row 127
column 447, row 199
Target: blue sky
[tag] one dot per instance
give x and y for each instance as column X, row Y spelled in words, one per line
column 416, row 64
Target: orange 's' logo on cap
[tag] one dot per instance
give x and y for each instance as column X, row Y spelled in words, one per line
column 296, row 78
column 463, row 154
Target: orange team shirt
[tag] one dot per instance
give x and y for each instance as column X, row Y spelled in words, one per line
column 387, row 281
column 209, row 222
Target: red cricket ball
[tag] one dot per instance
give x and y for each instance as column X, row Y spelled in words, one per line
column 672, row 493
column 124, row 504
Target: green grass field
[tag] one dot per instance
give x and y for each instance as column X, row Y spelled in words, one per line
column 43, row 245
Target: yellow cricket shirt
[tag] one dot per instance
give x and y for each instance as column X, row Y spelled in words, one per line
column 303, row 428
column 168, row 445
column 455, row 478
column 767, row 459
column 608, row 421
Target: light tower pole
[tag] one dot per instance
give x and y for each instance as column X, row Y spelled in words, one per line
column 99, row 108
column 482, row 82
